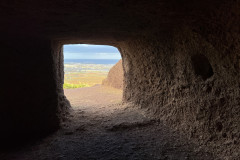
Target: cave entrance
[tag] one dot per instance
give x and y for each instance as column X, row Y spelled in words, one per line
column 93, row 75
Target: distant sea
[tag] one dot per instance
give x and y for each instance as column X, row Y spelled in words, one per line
column 91, row 61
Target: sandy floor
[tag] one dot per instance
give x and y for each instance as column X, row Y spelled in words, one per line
column 93, row 98
column 100, row 127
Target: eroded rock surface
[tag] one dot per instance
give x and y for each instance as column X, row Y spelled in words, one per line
column 98, row 128
column 189, row 84
column 115, row 76
column 181, row 62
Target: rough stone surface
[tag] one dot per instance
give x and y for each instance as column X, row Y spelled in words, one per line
column 181, row 61
column 28, row 93
column 160, row 75
column 115, row 76
column 99, row 127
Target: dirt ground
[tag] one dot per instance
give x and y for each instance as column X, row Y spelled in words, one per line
column 100, row 127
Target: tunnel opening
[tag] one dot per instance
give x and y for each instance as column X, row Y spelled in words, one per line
column 195, row 94
column 93, row 75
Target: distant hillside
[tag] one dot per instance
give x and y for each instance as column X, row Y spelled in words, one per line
column 115, row 76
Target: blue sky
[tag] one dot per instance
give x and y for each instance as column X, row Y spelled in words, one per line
column 86, row 51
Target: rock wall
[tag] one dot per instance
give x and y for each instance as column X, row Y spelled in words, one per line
column 190, row 82
column 29, row 94
column 181, row 61
column 115, row 76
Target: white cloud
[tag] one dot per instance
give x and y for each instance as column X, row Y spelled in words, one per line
column 90, row 45
column 86, row 51
column 75, row 55
column 103, row 54
column 84, row 45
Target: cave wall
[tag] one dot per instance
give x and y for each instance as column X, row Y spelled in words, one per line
column 189, row 78
column 29, row 97
column 181, row 62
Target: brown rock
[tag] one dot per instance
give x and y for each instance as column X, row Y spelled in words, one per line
column 181, row 61
column 115, row 76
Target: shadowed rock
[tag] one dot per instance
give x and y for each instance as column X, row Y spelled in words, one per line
column 181, row 62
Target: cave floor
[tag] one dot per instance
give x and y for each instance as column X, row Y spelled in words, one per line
column 101, row 127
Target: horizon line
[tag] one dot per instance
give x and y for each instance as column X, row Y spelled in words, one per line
column 90, row 58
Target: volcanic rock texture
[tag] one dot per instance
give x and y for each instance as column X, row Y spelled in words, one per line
column 181, row 62
column 185, row 81
column 115, row 76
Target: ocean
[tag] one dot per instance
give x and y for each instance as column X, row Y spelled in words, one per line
column 91, row 61
column 87, row 71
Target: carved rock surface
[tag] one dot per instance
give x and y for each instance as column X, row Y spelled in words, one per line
column 181, row 61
